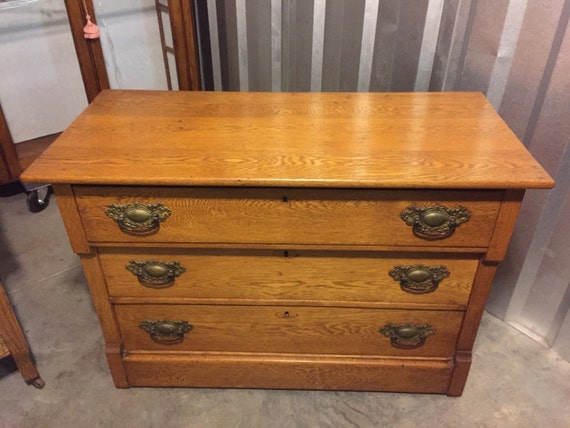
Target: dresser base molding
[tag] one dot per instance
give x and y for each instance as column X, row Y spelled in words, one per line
column 275, row 371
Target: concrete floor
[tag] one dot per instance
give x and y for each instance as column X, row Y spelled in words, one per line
column 514, row 381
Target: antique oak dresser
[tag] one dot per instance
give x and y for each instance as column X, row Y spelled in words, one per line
column 332, row 241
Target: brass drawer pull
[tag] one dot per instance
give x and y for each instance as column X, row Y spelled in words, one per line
column 138, row 218
column 435, row 222
column 154, row 273
column 166, row 332
column 419, row 279
column 407, row 336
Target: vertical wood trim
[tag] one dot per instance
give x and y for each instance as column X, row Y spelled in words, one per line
column 109, row 325
column 462, row 364
column 10, row 168
column 70, row 214
column 89, row 52
column 14, row 339
column 183, row 27
column 472, row 319
column 504, row 225
column 160, row 9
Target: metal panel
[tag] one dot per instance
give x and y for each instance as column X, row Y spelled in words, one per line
column 276, row 37
column 319, row 12
column 242, row 48
column 507, row 45
column 385, row 49
column 367, row 45
column 214, row 44
column 429, row 43
column 343, row 31
column 258, row 40
column 487, row 26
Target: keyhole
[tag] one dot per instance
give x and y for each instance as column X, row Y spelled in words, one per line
column 286, row 314
column 285, row 199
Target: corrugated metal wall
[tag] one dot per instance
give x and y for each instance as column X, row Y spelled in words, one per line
column 516, row 52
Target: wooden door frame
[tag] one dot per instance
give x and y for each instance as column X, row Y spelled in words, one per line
column 90, row 53
column 182, row 23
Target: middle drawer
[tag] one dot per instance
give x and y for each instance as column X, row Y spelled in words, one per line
column 302, row 276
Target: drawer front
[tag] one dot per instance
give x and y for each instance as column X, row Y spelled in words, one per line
column 345, row 276
column 284, row 329
column 223, row 370
column 282, row 216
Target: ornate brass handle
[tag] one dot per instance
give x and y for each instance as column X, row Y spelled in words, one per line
column 419, row 279
column 407, row 336
column 166, row 332
column 154, row 273
column 435, row 222
column 138, row 218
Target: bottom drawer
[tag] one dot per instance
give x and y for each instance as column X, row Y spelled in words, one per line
column 283, row 329
column 282, row 372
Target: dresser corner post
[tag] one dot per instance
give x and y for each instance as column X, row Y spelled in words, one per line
column 504, row 225
column 114, row 349
column 461, row 366
column 114, row 353
column 71, row 218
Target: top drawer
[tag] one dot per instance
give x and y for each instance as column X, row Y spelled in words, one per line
column 287, row 216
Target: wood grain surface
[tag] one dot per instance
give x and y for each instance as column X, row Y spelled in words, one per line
column 437, row 140
column 308, row 277
column 226, row 370
column 307, row 330
column 287, row 216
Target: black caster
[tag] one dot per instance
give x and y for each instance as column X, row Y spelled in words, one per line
column 38, row 199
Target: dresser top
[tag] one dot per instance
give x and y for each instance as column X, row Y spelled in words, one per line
column 406, row 140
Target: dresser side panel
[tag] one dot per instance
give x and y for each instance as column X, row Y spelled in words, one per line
column 113, row 340
column 504, row 225
column 71, row 218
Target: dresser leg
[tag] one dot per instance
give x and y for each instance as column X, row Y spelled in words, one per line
column 114, row 353
column 460, row 373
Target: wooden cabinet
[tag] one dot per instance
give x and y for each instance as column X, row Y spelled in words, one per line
column 310, row 241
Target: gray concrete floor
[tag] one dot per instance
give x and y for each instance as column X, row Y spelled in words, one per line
column 514, row 381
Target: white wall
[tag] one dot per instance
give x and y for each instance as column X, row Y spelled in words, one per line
column 41, row 90
column 131, row 43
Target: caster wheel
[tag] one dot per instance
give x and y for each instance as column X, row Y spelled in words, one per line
column 38, row 200
column 38, row 382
